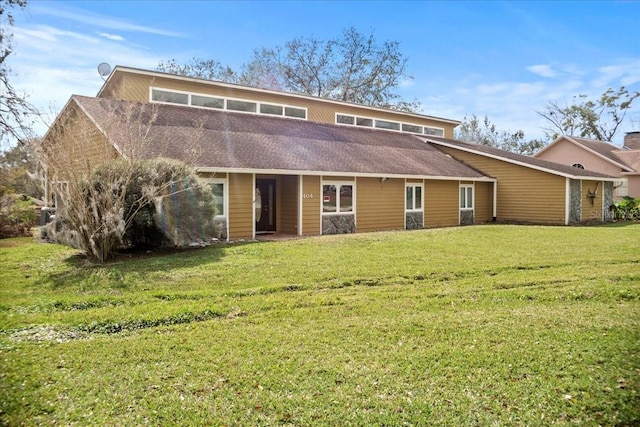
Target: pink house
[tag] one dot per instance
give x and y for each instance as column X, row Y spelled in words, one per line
column 599, row 156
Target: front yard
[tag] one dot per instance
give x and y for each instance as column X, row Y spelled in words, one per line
column 483, row 325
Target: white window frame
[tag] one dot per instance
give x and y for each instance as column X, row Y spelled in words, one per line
column 339, row 184
column 225, row 102
column 466, row 188
column 375, row 119
column 225, row 194
column 413, row 186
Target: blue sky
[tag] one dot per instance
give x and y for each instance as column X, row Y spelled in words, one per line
column 505, row 60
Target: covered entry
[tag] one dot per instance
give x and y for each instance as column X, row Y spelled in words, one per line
column 276, row 204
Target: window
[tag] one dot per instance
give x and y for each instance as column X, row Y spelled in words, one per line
column 345, row 120
column 466, row 196
column 433, row 131
column 234, row 105
column 414, row 197
column 217, row 188
column 361, row 121
column 207, row 101
column 171, row 97
column 411, row 128
column 383, row 124
column 337, row 198
column 578, row 165
column 276, row 110
column 298, row 113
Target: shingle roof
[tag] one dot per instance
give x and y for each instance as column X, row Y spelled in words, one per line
column 516, row 158
column 603, row 148
column 229, row 140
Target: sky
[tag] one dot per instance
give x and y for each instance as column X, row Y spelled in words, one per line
column 502, row 59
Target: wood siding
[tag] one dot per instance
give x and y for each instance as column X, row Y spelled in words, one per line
column 483, row 204
column 240, row 221
column 311, row 205
column 591, row 209
column 287, row 194
column 441, row 203
column 135, row 87
column 524, row 194
column 379, row 206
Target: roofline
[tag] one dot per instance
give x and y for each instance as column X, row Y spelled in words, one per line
column 584, row 147
column 341, row 174
column 102, row 131
column 267, row 91
column 519, row 163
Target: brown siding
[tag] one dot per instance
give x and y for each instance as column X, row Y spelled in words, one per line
column 591, row 212
column 524, row 194
column 136, row 88
column 441, row 203
column 311, row 205
column 240, row 206
column 379, row 206
column 483, row 203
column 287, row 194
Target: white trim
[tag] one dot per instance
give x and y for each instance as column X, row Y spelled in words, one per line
column 225, row 190
column 473, row 196
column 341, row 174
column 515, row 162
column 413, row 184
column 122, row 69
column 225, row 103
column 567, row 201
column 102, row 131
column 253, row 208
column 376, row 119
column 495, row 201
column 339, row 184
column 300, row 203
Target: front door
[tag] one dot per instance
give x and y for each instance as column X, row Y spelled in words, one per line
column 265, row 205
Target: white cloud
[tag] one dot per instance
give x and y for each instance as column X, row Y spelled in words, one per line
column 113, row 37
column 542, row 70
column 88, row 18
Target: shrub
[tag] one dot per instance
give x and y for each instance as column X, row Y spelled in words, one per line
column 17, row 215
column 137, row 204
column 626, row 209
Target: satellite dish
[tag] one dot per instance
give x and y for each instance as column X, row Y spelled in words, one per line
column 104, row 70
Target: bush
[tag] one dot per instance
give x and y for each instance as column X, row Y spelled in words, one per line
column 626, row 209
column 17, row 215
column 136, row 204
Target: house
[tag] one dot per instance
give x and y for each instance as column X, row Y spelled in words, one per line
column 600, row 156
column 299, row 165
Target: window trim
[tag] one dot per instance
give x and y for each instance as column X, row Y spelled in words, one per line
column 225, row 194
column 339, row 184
column 414, row 185
column 225, row 100
column 375, row 119
column 466, row 187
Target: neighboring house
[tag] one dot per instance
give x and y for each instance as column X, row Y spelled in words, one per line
column 300, row 165
column 602, row 157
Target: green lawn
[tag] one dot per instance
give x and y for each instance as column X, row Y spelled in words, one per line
column 486, row 325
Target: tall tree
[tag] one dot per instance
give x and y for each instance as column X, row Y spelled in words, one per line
column 15, row 111
column 595, row 119
column 352, row 67
column 484, row 132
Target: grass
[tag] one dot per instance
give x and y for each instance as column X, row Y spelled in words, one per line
column 485, row 325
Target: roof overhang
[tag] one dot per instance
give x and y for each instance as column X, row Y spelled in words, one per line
column 519, row 163
column 341, row 174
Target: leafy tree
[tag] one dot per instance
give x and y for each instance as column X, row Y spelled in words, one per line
column 14, row 108
column 598, row 119
column 352, row 67
column 18, row 170
column 484, row 132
